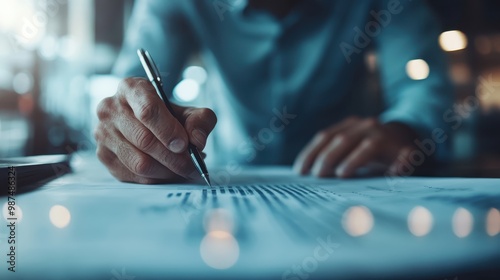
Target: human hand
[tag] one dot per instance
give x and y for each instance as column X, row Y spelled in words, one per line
column 353, row 143
column 140, row 141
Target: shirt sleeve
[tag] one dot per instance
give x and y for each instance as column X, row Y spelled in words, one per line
column 161, row 28
column 409, row 35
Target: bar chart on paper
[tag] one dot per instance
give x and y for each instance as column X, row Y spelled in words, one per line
column 263, row 222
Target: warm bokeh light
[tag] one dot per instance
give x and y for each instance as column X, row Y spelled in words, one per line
column 357, row 221
column 417, row 69
column 487, row 90
column 453, row 40
column 462, row 222
column 420, row 221
column 371, row 61
column 219, row 249
column 18, row 212
column 219, row 220
column 493, row 222
column 59, row 216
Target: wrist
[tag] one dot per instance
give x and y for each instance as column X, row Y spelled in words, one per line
column 402, row 132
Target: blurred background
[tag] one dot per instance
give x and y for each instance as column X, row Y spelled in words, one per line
column 56, row 57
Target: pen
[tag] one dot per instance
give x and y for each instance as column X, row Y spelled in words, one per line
column 154, row 77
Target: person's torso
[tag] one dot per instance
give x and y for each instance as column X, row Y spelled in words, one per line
column 274, row 83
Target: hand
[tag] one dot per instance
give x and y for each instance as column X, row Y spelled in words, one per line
column 343, row 148
column 138, row 139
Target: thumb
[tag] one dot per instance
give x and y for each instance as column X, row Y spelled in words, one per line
column 198, row 122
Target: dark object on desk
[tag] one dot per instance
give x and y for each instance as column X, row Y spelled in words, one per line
column 28, row 173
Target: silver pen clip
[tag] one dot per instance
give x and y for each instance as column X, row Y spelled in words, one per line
column 150, row 66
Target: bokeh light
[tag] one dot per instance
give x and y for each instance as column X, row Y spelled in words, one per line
column 357, row 221
column 22, row 83
column 187, row 90
column 59, row 216
column 453, row 40
column 462, row 222
column 197, row 73
column 417, row 69
column 493, row 222
column 420, row 221
column 219, row 250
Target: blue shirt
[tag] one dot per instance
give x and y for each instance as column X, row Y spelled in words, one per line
column 274, row 83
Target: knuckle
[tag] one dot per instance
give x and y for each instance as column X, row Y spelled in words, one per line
column 371, row 122
column 100, row 133
column 104, row 107
column 147, row 112
column 140, row 165
column 341, row 138
column 131, row 85
column 97, row 135
column 371, row 143
column 103, row 155
column 126, row 84
column 100, row 154
column 145, row 140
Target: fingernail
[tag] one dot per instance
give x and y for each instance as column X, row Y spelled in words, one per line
column 177, row 145
column 316, row 170
column 200, row 137
column 340, row 171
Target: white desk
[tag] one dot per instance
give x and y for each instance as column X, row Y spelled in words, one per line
column 270, row 223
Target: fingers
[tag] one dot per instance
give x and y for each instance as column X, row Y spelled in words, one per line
column 308, row 155
column 341, row 145
column 149, row 109
column 140, row 163
column 366, row 152
column 119, row 171
column 145, row 141
column 198, row 122
column 324, row 165
column 353, row 144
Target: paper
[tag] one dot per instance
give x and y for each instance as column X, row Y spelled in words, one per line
column 257, row 222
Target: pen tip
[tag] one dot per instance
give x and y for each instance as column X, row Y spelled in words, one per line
column 207, row 180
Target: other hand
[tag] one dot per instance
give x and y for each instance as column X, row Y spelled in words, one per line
column 353, row 143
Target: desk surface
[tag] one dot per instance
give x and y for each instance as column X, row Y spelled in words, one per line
column 263, row 222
